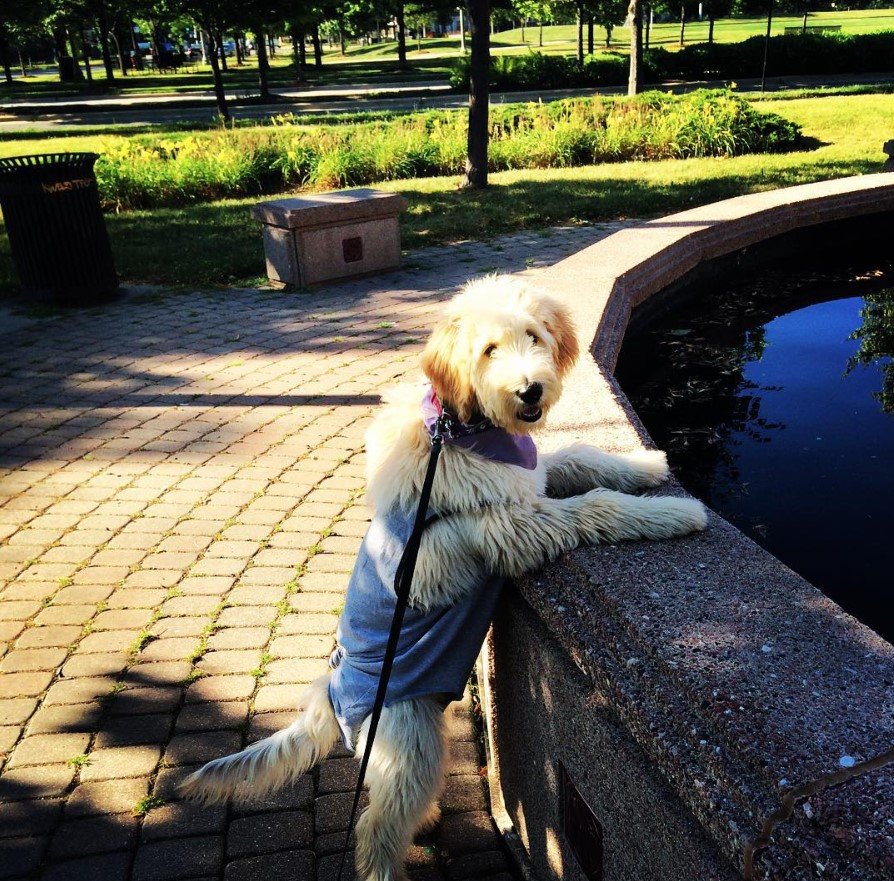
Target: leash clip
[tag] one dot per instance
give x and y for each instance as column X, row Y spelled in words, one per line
column 441, row 430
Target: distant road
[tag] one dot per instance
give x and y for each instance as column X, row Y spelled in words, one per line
column 357, row 90
column 340, row 99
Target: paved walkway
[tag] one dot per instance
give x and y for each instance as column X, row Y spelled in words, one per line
column 181, row 499
column 16, row 118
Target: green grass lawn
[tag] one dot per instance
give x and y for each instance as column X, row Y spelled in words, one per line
column 361, row 64
column 217, row 243
column 563, row 38
column 378, row 62
column 336, row 70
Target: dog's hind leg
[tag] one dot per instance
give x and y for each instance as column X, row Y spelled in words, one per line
column 274, row 761
column 430, row 818
column 405, row 775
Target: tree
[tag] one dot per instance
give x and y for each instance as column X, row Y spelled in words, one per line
column 479, row 94
column 608, row 14
column 259, row 16
column 421, row 13
column 580, row 31
column 65, row 19
column 534, row 10
column 19, row 23
column 213, row 16
column 715, row 9
column 100, row 13
column 418, row 15
column 876, row 338
column 635, row 79
column 397, row 9
column 298, row 32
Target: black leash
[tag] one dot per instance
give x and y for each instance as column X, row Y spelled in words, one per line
column 403, row 581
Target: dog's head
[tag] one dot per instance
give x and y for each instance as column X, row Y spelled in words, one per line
column 501, row 351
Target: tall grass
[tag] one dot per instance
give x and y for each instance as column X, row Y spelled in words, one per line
column 146, row 172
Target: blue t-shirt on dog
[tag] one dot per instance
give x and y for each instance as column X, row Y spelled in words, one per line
column 436, row 650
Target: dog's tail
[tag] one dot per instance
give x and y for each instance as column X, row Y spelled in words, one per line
column 274, row 761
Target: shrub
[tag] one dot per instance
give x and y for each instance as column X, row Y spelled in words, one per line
column 538, row 71
column 789, row 54
column 143, row 172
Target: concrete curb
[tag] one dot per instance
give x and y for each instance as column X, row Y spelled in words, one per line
column 751, row 692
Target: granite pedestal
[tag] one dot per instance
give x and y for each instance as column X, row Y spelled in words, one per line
column 309, row 240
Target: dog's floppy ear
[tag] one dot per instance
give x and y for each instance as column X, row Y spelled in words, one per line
column 447, row 368
column 558, row 322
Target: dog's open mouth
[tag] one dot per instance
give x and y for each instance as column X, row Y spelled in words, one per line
column 530, row 413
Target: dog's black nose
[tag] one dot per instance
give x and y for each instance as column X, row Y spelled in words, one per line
column 532, row 394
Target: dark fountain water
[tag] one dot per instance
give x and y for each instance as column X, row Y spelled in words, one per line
column 774, row 397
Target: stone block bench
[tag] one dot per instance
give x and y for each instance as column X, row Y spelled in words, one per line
column 309, row 240
column 689, row 710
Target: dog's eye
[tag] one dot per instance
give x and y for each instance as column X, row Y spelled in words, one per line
column 489, row 351
column 534, row 338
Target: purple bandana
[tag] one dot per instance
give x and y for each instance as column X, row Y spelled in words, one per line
column 483, row 438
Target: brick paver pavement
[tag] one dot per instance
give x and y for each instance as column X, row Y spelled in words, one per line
column 182, row 498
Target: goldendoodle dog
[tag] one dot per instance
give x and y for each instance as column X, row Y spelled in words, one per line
column 495, row 365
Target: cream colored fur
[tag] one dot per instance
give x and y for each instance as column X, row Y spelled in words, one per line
column 497, row 338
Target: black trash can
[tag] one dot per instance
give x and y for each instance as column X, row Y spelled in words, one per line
column 56, row 229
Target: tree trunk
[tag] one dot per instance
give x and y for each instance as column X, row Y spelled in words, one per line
column 240, row 58
column 401, row 37
column 122, row 67
column 540, row 37
column 462, row 31
column 219, row 94
column 711, row 29
column 682, row 23
column 22, row 61
column 85, row 50
column 635, row 79
column 76, row 65
column 318, row 46
column 609, row 29
column 767, row 46
column 299, row 51
column 263, row 63
column 4, row 58
column 341, row 41
column 479, row 94
column 137, row 56
column 104, row 44
column 523, row 30
column 220, row 48
column 648, row 28
column 59, row 43
column 590, row 29
column 78, row 73
column 580, row 33
column 804, row 22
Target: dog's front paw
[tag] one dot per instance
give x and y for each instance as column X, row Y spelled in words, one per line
column 647, row 467
column 675, row 516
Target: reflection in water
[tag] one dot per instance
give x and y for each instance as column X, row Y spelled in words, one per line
column 876, row 336
column 775, row 401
